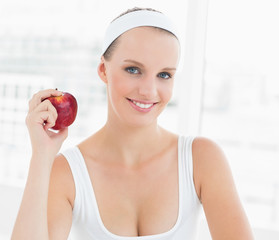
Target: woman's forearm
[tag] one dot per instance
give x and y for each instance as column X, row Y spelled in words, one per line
column 31, row 222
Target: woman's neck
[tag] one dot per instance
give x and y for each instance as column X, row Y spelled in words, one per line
column 131, row 144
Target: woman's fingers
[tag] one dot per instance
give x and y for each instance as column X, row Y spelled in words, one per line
column 41, row 117
column 47, row 119
column 41, row 96
column 46, row 106
column 44, row 114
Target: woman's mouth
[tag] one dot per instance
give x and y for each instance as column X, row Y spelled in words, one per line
column 142, row 106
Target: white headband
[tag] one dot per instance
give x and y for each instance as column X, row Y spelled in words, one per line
column 136, row 19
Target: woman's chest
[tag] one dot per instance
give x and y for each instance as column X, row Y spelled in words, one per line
column 133, row 202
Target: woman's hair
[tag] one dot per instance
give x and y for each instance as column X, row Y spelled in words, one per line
column 108, row 53
column 135, row 9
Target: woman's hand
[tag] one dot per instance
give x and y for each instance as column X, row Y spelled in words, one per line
column 45, row 146
column 40, row 118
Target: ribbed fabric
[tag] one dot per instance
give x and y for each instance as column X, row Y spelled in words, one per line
column 87, row 223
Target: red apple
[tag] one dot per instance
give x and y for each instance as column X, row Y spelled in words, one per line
column 66, row 107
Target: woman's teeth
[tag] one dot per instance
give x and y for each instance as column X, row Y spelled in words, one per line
column 142, row 105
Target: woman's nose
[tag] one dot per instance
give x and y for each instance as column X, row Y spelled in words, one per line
column 148, row 88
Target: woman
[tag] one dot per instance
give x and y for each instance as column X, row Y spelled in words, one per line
column 132, row 179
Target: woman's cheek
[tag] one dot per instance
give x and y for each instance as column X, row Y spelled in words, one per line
column 118, row 87
column 167, row 91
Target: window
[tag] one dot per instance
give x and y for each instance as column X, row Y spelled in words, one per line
column 241, row 99
column 57, row 45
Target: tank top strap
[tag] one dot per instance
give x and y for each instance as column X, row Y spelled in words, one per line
column 83, row 186
column 186, row 164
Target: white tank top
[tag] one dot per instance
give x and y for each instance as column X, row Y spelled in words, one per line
column 87, row 223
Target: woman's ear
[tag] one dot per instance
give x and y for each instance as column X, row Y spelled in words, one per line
column 102, row 70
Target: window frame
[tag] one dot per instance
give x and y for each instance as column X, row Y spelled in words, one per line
column 191, row 76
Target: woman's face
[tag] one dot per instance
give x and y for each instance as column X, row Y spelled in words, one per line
column 140, row 75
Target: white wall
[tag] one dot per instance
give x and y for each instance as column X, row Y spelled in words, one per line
column 9, row 204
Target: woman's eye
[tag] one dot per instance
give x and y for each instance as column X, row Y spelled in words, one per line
column 164, row 75
column 132, row 70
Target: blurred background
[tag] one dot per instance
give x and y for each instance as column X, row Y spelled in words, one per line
column 227, row 88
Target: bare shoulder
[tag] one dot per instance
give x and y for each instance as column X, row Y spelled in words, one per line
column 206, row 149
column 216, row 189
column 208, row 158
column 61, row 164
column 62, row 178
column 60, row 199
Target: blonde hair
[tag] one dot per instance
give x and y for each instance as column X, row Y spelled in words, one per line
column 135, row 9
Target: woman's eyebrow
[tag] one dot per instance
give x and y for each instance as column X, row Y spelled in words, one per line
column 169, row 69
column 134, row 62
column 141, row 65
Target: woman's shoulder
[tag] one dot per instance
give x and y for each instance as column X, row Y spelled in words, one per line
column 61, row 178
column 209, row 162
column 217, row 191
column 207, row 154
column 202, row 147
column 205, row 146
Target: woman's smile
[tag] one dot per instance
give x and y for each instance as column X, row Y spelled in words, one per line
column 141, row 106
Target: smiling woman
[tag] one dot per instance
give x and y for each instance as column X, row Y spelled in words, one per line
column 138, row 76
column 132, row 178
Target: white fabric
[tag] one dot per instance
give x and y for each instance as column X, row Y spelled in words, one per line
column 133, row 20
column 87, row 223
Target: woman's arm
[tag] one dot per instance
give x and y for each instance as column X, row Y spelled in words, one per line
column 60, row 199
column 32, row 220
column 216, row 189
